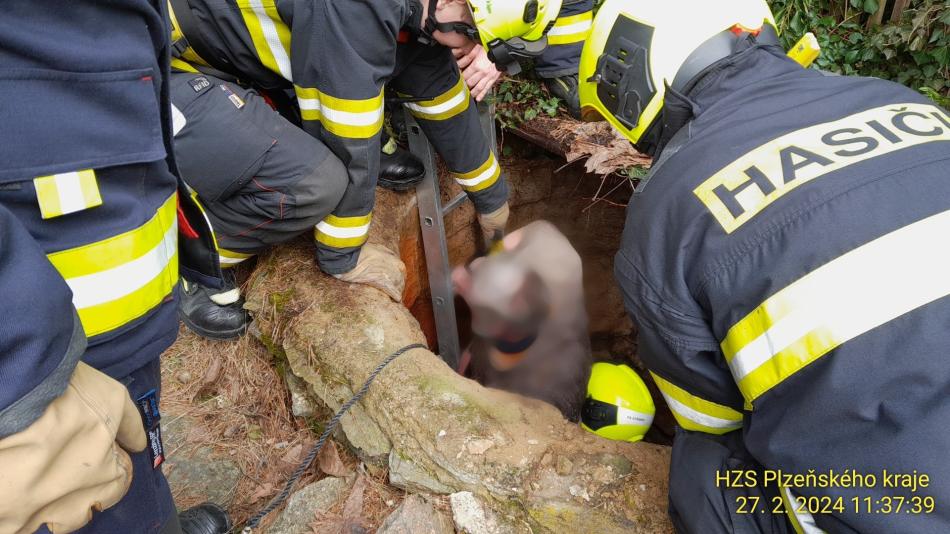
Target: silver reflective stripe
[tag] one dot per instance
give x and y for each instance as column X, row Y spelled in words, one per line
column 698, row 417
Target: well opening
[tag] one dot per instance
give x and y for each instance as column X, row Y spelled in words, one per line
column 590, row 211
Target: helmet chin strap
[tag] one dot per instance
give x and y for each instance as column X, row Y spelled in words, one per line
column 425, row 29
column 505, row 54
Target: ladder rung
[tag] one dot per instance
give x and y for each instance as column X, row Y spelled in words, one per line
column 454, row 203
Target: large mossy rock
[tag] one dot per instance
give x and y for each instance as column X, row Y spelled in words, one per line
column 437, row 431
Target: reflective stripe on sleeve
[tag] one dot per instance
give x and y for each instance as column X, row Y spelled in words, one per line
column 570, row 30
column 838, row 302
column 270, row 35
column 119, row 279
column 696, row 413
column 358, row 119
column 69, row 192
column 343, row 232
column 481, row 178
column 445, row 106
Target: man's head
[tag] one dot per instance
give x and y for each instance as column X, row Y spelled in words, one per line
column 508, row 300
column 508, row 29
column 640, row 49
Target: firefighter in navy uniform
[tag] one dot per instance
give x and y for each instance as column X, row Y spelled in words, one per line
column 786, row 262
column 263, row 180
column 88, row 269
column 559, row 62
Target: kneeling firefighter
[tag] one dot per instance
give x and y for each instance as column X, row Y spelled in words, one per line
column 89, row 262
column 786, row 264
column 264, row 180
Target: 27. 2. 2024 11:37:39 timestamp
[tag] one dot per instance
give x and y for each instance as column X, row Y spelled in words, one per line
column 825, row 504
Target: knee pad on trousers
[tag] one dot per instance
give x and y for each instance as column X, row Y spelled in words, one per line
column 320, row 190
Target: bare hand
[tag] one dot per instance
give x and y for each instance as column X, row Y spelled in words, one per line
column 479, row 72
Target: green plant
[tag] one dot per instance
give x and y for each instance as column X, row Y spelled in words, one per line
column 521, row 100
column 913, row 50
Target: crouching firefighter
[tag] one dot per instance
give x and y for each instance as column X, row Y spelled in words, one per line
column 89, row 218
column 559, row 62
column 786, row 263
column 263, row 180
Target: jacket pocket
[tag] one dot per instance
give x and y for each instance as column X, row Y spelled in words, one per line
column 225, row 138
column 60, row 121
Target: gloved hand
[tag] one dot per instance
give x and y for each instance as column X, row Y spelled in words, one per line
column 493, row 224
column 380, row 268
column 70, row 461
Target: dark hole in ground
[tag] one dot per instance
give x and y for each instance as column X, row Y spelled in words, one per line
column 590, row 211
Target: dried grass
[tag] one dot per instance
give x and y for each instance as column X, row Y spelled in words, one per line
column 235, row 393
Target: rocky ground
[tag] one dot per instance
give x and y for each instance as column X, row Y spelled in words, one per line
column 426, row 450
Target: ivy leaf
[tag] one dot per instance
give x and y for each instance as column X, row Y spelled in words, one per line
column 942, row 55
column 871, row 6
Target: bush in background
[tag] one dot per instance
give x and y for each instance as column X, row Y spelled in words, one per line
column 911, row 47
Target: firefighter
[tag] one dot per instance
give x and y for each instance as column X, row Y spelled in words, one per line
column 88, row 269
column 559, row 62
column 557, row 65
column 786, row 264
column 263, row 180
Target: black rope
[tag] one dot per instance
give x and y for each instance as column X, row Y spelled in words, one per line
column 277, row 501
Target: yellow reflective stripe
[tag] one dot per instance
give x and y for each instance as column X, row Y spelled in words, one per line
column 343, row 232
column 117, row 250
column 696, row 413
column 65, row 193
column 119, row 279
column 838, row 302
column 445, row 106
column 183, row 66
column 357, row 119
column 570, row 30
column 571, row 20
column 481, row 178
column 270, row 35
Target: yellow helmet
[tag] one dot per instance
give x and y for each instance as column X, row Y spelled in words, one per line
column 508, row 29
column 638, row 48
column 618, row 405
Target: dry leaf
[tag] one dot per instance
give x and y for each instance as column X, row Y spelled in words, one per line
column 264, row 490
column 209, row 381
column 292, row 456
column 353, row 508
column 604, row 150
column 329, row 461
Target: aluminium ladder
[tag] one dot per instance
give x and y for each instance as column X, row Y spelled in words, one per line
column 432, row 215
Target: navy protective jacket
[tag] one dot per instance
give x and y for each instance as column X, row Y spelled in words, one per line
column 787, row 264
column 88, row 203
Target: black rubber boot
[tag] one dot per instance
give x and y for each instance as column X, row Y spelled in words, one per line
column 565, row 88
column 224, row 319
column 399, row 169
column 206, row 518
